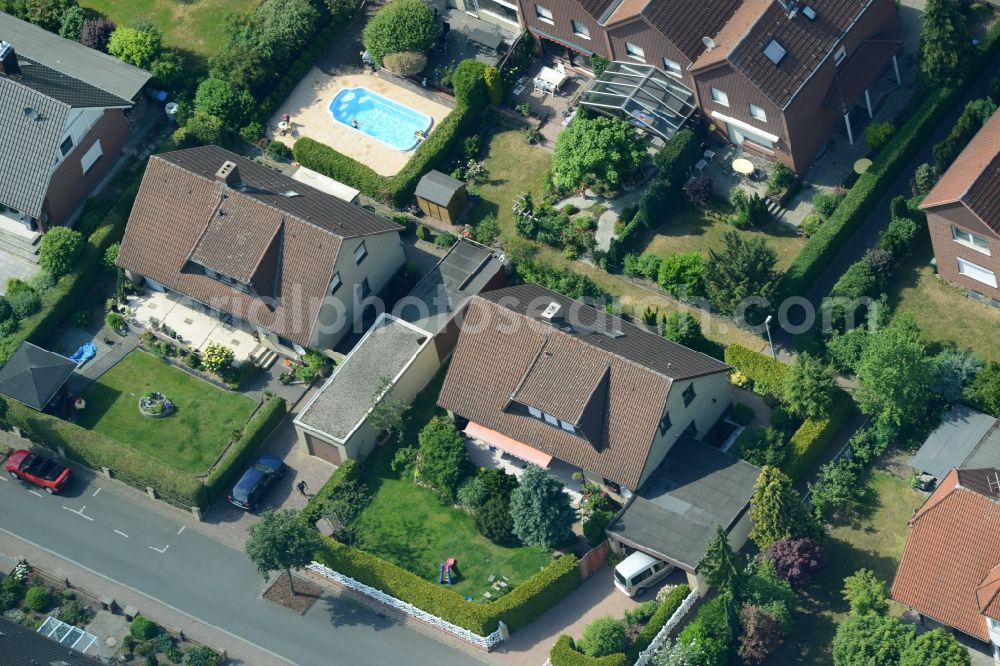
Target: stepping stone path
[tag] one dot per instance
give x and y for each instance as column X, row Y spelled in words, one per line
column 609, row 218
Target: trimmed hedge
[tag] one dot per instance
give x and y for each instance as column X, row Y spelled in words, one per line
column 814, row 435
column 519, row 607
column 348, row 471
column 263, row 423
column 663, row 613
column 831, row 237
column 564, row 653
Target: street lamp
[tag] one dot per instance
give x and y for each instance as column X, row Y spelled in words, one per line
column 770, row 342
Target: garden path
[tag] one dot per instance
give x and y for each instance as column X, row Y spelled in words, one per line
column 609, row 218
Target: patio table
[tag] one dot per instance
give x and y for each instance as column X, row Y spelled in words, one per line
column 743, row 166
column 552, row 78
column 490, row 40
column 862, row 165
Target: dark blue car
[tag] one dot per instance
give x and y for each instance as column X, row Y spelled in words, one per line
column 255, row 481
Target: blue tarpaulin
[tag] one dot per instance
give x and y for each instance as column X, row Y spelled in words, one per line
column 84, row 354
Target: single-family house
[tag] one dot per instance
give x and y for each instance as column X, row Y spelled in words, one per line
column 777, row 78
column 299, row 266
column 963, row 216
column 950, row 569
column 64, row 118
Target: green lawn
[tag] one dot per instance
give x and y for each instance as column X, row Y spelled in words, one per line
column 196, row 26
column 875, row 543
column 515, row 167
column 942, row 311
column 191, row 438
column 407, row 524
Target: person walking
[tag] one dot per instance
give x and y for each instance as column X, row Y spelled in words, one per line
column 302, row 488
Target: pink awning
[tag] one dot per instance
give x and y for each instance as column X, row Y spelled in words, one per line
column 508, row 445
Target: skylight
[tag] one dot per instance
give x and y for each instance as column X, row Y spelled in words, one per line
column 809, row 12
column 774, row 51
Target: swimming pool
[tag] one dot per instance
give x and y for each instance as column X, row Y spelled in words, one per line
column 379, row 117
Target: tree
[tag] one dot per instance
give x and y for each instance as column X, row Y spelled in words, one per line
column 494, row 85
column 442, row 460
column 762, row 634
column 405, row 63
column 795, row 560
column 809, row 387
column 945, row 44
column 59, row 250
column 281, row 542
column 764, row 446
column 205, row 129
column 602, row 637
column 776, row 509
column 953, row 371
column 136, row 47
column 96, row 33
column 494, row 522
column 71, row 23
column 984, row 392
column 866, row 593
column 895, row 375
column 387, row 412
column 721, row 566
column 603, row 148
column 935, row 648
column 870, row 640
column 684, row 328
column 743, row 269
column 469, row 83
column 837, row 493
column 219, row 98
column 401, row 25
column 541, row 510
column 682, row 274
column 47, row 13
column 169, row 72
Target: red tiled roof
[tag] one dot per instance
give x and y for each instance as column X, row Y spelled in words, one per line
column 854, row 75
column 951, row 556
column 986, row 594
column 686, row 22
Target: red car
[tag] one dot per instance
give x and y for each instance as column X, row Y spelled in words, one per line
column 42, row 472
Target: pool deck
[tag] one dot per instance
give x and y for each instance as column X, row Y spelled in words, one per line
column 308, row 106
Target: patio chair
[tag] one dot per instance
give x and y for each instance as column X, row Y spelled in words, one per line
column 700, row 166
column 709, row 154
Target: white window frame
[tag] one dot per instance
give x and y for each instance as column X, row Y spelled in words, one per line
column 969, row 239
column 758, row 113
column 543, row 13
column 635, row 52
column 977, row 272
column 579, row 29
column 335, row 283
column 360, row 252
column 673, row 67
column 994, row 624
column 840, row 55
column 719, row 97
column 90, row 157
column 69, row 148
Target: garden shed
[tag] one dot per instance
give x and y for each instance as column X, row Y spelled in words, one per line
column 441, row 196
column 33, row 376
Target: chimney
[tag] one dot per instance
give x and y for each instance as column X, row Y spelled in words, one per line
column 8, row 60
column 791, row 7
column 552, row 312
column 228, row 174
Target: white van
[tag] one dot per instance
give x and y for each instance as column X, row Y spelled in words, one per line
column 638, row 572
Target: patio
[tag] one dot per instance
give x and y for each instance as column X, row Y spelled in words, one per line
column 468, row 38
column 482, row 454
column 553, row 108
column 194, row 326
column 718, row 164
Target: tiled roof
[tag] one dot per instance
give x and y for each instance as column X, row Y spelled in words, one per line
column 986, row 594
column 21, row 646
column 974, row 177
column 175, row 217
column 596, row 8
column 686, row 22
column 952, row 551
column 75, row 93
column 806, row 42
column 854, row 75
column 33, row 375
column 732, row 32
column 607, row 377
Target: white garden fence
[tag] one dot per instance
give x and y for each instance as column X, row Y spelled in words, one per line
column 483, row 642
column 668, row 628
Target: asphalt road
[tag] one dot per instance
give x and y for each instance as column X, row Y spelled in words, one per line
column 96, row 525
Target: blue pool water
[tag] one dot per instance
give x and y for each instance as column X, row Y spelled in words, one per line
column 381, row 118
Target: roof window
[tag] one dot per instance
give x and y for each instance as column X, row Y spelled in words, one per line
column 809, row 13
column 774, row 51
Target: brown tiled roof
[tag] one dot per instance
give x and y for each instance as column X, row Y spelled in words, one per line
column 974, row 177
column 617, row 386
column 732, row 32
column 288, row 260
column 627, row 9
column 952, row 552
column 807, row 43
column 596, row 8
column 853, row 76
column 685, row 22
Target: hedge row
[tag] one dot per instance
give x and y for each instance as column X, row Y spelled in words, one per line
column 814, row 435
column 664, row 612
column 870, row 187
column 348, row 471
column 263, row 423
column 564, row 653
column 519, row 607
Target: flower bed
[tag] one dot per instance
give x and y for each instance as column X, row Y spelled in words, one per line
column 155, row 405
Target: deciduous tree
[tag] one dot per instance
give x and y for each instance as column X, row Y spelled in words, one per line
column 935, row 648
column 603, row 148
column 870, row 640
column 795, row 560
column 59, row 250
column 762, row 634
column 136, row 47
column 281, row 542
column 866, row 593
column 442, row 460
column 895, row 375
column 402, row 25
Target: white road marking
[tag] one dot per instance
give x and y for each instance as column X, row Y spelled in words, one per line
column 160, row 551
column 122, row 533
column 95, row 492
column 181, row 529
column 79, row 512
column 4, row 479
column 36, row 494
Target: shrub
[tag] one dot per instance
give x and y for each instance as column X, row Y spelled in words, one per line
column 681, row 275
column 487, row 231
column 38, row 599
column 201, row 129
column 742, row 414
column 73, row 612
column 795, row 560
column 764, row 446
column 219, row 98
column 781, row 179
column 444, row 239
column 71, row 23
column 984, row 391
column 925, row 178
column 494, row 85
column 604, row 148
column 641, row 613
column 811, row 224
column 900, row 236
column 878, row 134
column 564, row 653
column 200, row 656
column 866, row 593
column 666, row 608
column 443, row 459
column 277, row 150
column 402, row 25
column 96, row 32
column 768, row 375
column 134, row 46
column 143, row 629
column 602, row 637
column 761, row 634
column 493, row 521
column 405, row 63
column 700, row 191
column 595, row 524
column 825, row 204
column 217, row 357
column 24, row 302
column 712, row 632
column 677, row 155
column 60, row 250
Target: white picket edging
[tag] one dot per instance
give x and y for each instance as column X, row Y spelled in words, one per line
column 484, row 642
column 664, row 634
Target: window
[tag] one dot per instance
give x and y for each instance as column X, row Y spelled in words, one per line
column 544, row 14
column 537, row 413
column 978, row 273
column 634, row 51
column 665, row 423
column 672, row 66
column 504, row 10
column 995, row 624
column 91, row 156
column 568, row 427
column 365, row 288
column 757, row 113
column 691, row 430
column 688, row 395
column 335, row 283
column 360, row 252
column 970, row 239
column 612, row 486
column 774, row 51
column 839, row 56
column 551, row 420
column 580, row 30
column 66, row 146
column 720, row 97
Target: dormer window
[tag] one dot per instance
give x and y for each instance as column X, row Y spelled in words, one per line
column 552, row 420
column 360, row 252
column 689, row 394
column 537, row 413
column 66, row 146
